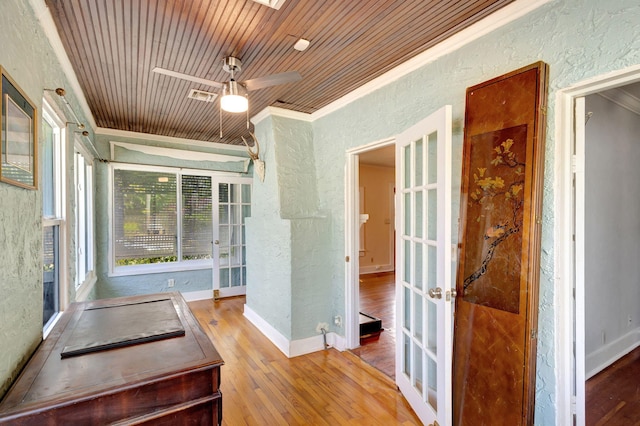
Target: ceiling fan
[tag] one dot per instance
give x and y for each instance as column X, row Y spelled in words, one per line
column 234, row 93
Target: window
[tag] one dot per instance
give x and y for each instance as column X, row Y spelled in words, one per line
column 83, row 170
column 53, row 216
column 164, row 219
column 197, row 219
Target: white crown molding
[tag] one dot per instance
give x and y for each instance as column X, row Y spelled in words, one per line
column 492, row 22
column 271, row 111
column 623, row 98
column 43, row 15
column 168, row 139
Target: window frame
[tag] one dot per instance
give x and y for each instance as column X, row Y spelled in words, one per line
column 58, row 219
column 84, row 229
column 179, row 265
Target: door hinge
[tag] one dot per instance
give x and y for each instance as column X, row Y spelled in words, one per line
column 573, row 163
column 534, row 334
column 346, row 259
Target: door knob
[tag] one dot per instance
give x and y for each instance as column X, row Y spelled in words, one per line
column 435, row 293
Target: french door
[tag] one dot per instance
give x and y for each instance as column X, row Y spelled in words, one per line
column 424, row 269
column 229, row 250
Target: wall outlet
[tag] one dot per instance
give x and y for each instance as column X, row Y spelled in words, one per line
column 171, row 282
column 322, row 325
column 337, row 320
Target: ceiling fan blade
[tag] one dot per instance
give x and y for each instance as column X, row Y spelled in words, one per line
column 272, row 80
column 188, row 77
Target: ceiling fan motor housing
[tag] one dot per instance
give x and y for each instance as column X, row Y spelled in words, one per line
column 232, row 65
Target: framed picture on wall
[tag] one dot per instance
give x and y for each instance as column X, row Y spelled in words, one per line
column 19, row 154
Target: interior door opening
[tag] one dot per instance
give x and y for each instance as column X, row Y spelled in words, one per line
column 569, row 236
column 379, row 154
column 376, row 258
column 607, row 244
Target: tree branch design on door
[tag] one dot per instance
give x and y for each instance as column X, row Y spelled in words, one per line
column 496, row 200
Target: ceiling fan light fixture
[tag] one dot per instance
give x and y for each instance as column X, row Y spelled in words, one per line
column 232, row 100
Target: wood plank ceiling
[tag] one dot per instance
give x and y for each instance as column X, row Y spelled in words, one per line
column 113, row 46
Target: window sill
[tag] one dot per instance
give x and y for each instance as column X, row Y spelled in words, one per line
column 50, row 324
column 84, row 289
column 158, row 268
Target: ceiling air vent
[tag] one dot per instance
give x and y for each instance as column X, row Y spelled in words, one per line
column 201, row 95
column 274, row 4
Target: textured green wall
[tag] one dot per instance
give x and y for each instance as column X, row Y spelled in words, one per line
column 577, row 38
column 26, row 55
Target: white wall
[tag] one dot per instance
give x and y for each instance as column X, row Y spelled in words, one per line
column 612, row 222
column 377, row 182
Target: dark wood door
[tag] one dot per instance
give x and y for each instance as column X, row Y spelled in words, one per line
column 497, row 282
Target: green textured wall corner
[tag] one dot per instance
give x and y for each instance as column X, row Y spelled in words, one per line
column 26, row 55
column 268, row 239
column 289, row 273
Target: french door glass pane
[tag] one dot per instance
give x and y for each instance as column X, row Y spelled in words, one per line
column 432, row 265
column 418, row 266
column 432, row 158
column 234, row 207
column 432, row 225
column 407, row 355
column 419, row 214
column 417, row 368
column 407, row 167
column 224, row 277
column 432, row 383
column 236, row 277
column 407, row 213
column 417, row 309
column 432, row 332
column 418, row 176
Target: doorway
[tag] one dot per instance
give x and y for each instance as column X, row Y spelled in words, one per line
column 611, row 249
column 596, row 192
column 376, row 258
column 376, row 154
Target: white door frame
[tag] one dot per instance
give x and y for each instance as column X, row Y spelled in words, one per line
column 352, row 238
column 567, row 219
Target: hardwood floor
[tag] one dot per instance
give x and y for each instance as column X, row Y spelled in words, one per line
column 261, row 386
column 613, row 395
column 377, row 298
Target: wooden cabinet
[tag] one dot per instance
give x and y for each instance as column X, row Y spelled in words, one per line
column 131, row 360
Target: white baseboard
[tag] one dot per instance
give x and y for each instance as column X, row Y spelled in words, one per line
column 606, row 355
column 373, row 269
column 268, row 330
column 192, row 296
column 293, row 348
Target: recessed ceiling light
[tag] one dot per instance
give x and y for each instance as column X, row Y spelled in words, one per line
column 301, row 45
